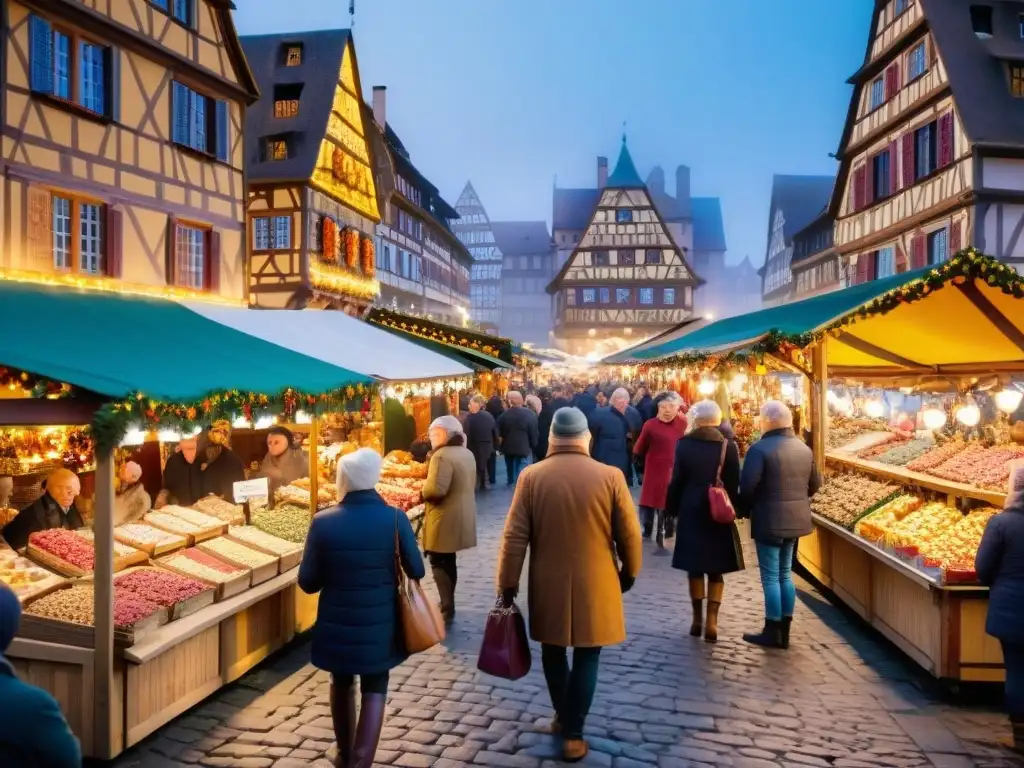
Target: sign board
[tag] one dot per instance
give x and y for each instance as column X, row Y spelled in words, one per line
column 250, row 489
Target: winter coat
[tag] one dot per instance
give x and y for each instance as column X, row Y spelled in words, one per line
column 586, row 402
column 1000, row 566
column 181, row 481
column 41, row 515
column 495, row 407
column 518, row 430
column 657, row 446
column 574, row 514
column 220, row 475
column 702, row 545
column 778, row 480
column 609, row 443
column 449, row 523
column 131, row 504
column 481, row 437
column 350, row 560
column 284, row 469
column 646, row 408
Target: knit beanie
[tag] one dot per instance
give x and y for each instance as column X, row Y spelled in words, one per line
column 10, row 616
column 359, row 471
column 569, row 423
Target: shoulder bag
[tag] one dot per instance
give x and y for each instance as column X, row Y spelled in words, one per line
column 419, row 619
column 721, row 505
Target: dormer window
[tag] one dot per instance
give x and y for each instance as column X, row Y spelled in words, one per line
column 623, row 216
column 179, row 10
column 981, row 21
column 1017, row 81
column 286, row 100
column 293, row 54
column 277, row 148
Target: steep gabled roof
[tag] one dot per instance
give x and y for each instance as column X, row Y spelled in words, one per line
column 224, row 10
column 522, row 238
column 572, row 207
column 322, row 52
column 625, row 175
column 801, row 198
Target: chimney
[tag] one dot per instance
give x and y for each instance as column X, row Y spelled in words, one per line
column 380, row 105
column 656, row 180
column 602, row 172
column 683, row 191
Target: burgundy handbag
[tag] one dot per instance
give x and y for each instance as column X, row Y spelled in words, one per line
column 721, row 505
column 505, row 651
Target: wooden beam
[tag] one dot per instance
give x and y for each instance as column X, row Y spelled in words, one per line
column 882, row 354
column 819, row 430
column 1002, row 323
column 103, row 596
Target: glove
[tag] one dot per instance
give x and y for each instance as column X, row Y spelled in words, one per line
column 626, row 582
column 508, row 596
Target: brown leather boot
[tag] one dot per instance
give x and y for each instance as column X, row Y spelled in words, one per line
column 343, row 713
column 716, row 589
column 697, row 596
column 371, row 720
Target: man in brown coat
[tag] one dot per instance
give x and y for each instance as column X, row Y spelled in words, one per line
column 574, row 514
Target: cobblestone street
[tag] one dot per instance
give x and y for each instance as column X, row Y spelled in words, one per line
column 839, row 697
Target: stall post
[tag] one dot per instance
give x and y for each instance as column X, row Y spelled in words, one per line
column 819, row 371
column 103, row 592
column 314, row 470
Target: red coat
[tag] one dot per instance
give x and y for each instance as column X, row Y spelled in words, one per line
column 657, row 444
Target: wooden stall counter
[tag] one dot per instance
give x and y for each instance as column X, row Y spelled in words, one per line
column 942, row 628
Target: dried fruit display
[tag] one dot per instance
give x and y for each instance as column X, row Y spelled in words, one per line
column 904, row 452
column 65, row 545
column 146, row 537
column 194, row 516
column 882, row 445
column 292, row 494
column 874, row 526
column 250, row 534
column 286, row 521
column 956, row 468
column 923, row 524
column 73, row 605
column 222, row 510
column 202, row 566
column 233, row 552
column 956, row 547
column 983, row 467
column 844, row 498
column 839, row 436
column 161, row 587
column 401, row 464
column 23, row 576
column 937, row 456
column 398, row 497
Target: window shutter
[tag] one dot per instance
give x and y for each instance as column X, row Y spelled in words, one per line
column 861, row 275
column 222, row 130
column 918, row 258
column 39, row 237
column 113, row 84
column 180, row 111
column 897, row 78
column 114, row 242
column 908, row 159
column 213, row 261
column 945, row 139
column 40, row 53
column 868, row 170
column 870, row 266
column 954, row 238
column 890, row 82
column 172, row 250
column 901, row 259
column 894, row 167
column 858, row 188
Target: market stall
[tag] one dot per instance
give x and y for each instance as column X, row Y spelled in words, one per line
column 905, row 500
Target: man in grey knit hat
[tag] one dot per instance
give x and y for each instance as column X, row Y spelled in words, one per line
column 577, row 519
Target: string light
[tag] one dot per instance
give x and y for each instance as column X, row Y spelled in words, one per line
column 933, row 418
column 168, row 436
column 969, row 414
column 111, row 285
column 336, row 280
column 874, row 409
column 1008, row 400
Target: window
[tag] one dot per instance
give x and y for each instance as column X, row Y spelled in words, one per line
column 77, row 235
column 190, row 258
column 981, row 20
column 646, row 295
column 899, row 7
column 62, row 233
column 538, row 262
column 652, row 257
column 286, row 100
column 201, row 123
column 570, row 297
column 1017, row 81
column 293, row 55
column 880, row 170
column 627, row 258
column 877, row 92
column 1020, row 24
column 277, row 149
column 181, row 10
column 688, row 296
column 938, row 246
column 623, row 215
column 917, row 61
column 623, row 295
column 600, row 258
column 885, row 262
column 575, row 237
column 272, row 233
column 589, row 295
column 668, row 297
column 606, row 295
column 924, row 150
column 69, row 68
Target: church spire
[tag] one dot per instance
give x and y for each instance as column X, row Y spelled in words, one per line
column 625, row 175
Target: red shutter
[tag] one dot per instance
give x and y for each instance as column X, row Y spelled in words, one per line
column 861, row 275
column 954, row 238
column 918, row 258
column 909, row 172
column 894, row 167
column 172, row 250
column 870, row 265
column 114, row 241
column 901, row 259
column 213, row 261
column 869, row 181
column 890, row 82
column 897, row 78
column 945, row 139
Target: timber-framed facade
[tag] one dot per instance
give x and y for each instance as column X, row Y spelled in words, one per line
column 313, row 202
column 122, row 125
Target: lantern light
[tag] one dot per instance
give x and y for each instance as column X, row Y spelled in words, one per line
column 874, row 409
column 264, row 422
column 844, row 405
column 301, row 417
column 933, row 418
column 706, row 387
column 739, row 379
column 1008, row 400
column 133, row 437
column 969, row 415
column 241, row 423
column 169, row 436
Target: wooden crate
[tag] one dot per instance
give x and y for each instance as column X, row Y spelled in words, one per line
column 153, row 550
column 185, row 607
column 260, row 573
column 223, row 589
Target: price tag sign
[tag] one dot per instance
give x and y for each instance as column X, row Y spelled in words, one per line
column 250, row 489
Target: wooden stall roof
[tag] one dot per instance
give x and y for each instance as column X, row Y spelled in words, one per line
column 421, row 328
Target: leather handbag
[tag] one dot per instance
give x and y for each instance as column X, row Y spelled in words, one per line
column 722, row 510
column 419, row 619
column 505, row 651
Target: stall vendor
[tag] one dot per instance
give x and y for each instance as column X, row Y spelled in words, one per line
column 220, row 468
column 54, row 509
column 181, row 477
column 132, row 501
column 284, row 463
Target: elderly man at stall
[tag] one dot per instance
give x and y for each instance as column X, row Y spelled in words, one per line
column 612, row 433
column 54, row 509
column 181, row 476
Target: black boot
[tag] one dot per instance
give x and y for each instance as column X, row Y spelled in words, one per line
column 343, row 714
column 769, row 637
column 787, row 621
column 445, row 593
column 371, row 720
column 648, row 522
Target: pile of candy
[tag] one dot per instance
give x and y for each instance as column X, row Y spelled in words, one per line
column 67, row 545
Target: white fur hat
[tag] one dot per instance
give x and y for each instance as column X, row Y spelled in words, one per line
column 359, row 471
column 449, row 424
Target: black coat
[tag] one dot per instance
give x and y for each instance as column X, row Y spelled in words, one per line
column 547, row 415
column 518, row 430
column 610, row 439
column 778, row 480
column 350, row 560
column 646, row 407
column 41, row 515
column 1000, row 566
column 221, row 474
column 495, row 407
column 702, row 545
column 586, row 402
column 182, row 480
column 481, row 437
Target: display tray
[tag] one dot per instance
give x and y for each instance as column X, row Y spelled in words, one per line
column 152, row 549
column 49, row 630
column 223, row 590
column 260, row 573
column 288, row 558
column 127, row 557
column 186, row 607
column 192, row 533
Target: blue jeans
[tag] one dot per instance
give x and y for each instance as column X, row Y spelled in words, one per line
column 513, row 466
column 776, row 564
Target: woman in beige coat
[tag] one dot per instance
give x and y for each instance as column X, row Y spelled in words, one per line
column 575, row 515
column 450, row 519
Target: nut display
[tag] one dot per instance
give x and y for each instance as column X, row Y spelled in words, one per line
column 172, row 523
column 286, row 521
column 292, row 494
column 202, row 566
column 904, row 452
column 399, row 497
column 844, row 498
column 160, row 587
column 73, row 605
column 937, row 456
column 217, row 507
column 67, row 545
column 400, row 464
column 980, row 466
column 252, row 535
column 234, row 552
column 199, row 519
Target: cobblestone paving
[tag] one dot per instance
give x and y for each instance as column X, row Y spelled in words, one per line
column 838, row 698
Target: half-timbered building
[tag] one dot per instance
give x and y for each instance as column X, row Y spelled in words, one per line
column 122, row 154
column 473, row 228
column 815, row 263
column 932, row 152
column 627, row 277
column 313, row 206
